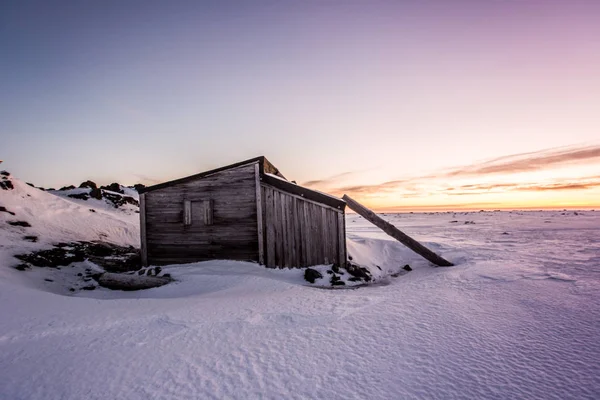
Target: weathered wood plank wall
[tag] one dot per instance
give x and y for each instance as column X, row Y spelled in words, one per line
column 299, row 232
column 229, row 232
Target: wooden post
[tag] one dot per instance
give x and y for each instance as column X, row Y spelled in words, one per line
column 144, row 248
column 396, row 233
column 259, row 216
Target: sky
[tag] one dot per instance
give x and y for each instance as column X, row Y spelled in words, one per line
column 403, row 105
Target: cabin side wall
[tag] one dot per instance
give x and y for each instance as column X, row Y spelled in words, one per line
column 222, row 224
column 298, row 232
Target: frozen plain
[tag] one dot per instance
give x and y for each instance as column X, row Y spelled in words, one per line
column 517, row 317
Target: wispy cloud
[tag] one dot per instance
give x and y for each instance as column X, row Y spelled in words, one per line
column 526, row 162
column 334, row 179
column 437, row 183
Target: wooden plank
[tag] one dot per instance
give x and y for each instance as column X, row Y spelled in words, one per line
column 270, row 228
column 396, row 233
column 143, row 248
column 289, row 204
column 259, row 215
column 308, row 233
column 284, row 231
column 278, row 230
column 297, row 234
column 187, row 212
column 325, row 236
column 341, row 242
column 208, row 211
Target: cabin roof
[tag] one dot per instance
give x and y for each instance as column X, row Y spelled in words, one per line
column 269, row 175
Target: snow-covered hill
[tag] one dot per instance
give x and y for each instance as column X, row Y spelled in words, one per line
column 32, row 219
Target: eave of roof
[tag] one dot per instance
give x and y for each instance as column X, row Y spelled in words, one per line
column 298, row 190
column 271, row 177
column 259, row 160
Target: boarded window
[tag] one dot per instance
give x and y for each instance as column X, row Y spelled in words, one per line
column 187, row 212
column 203, row 215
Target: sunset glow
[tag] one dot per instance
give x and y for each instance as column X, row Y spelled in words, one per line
column 403, row 105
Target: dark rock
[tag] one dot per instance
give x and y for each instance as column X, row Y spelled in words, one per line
column 80, row 274
column 453, row 222
column 30, row 238
column 24, row 224
column 149, row 272
column 138, row 187
column 52, row 258
column 329, row 271
column 50, row 189
column 67, row 187
column 79, row 196
column 378, row 267
column 22, row 267
column 30, row 184
column 119, row 201
column 113, row 187
column 335, row 268
column 157, row 270
column 6, row 185
column 89, row 287
column 3, row 209
column 357, row 270
column 71, row 289
column 141, row 272
column 96, row 194
column 96, row 276
column 88, row 184
column 338, row 283
column 49, row 280
column 311, row 275
column 355, row 279
column 86, row 279
column 407, row 268
column 92, row 210
column 4, row 173
column 505, row 233
column 349, row 257
column 167, row 276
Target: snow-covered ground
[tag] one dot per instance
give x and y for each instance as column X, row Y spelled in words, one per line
column 517, row 317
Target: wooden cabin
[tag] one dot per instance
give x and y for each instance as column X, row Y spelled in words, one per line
column 244, row 211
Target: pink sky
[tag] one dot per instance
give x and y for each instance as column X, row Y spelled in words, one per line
column 368, row 92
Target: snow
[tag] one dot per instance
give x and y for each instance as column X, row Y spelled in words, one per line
column 517, row 317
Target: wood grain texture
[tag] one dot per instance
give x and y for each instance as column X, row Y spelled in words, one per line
column 259, row 217
column 233, row 232
column 299, row 232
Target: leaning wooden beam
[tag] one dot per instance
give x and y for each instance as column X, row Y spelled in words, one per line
column 396, row 233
